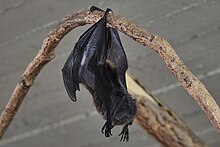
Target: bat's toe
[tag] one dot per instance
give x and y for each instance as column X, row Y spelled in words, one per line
column 124, row 134
column 106, row 129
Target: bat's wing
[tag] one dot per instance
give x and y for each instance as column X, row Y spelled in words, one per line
column 75, row 69
column 111, row 91
column 108, row 65
column 97, row 66
column 122, row 106
column 103, row 88
column 117, row 55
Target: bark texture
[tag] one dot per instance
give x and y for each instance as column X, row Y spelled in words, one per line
column 159, row 120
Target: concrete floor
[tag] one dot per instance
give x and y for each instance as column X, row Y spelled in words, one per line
column 47, row 117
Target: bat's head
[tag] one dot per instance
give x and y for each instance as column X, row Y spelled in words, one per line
column 125, row 112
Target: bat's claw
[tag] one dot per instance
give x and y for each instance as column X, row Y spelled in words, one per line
column 93, row 8
column 106, row 129
column 124, row 134
column 108, row 11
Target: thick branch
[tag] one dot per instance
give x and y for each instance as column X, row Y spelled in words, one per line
column 46, row 54
column 159, row 120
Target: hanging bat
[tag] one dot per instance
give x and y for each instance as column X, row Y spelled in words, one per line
column 98, row 61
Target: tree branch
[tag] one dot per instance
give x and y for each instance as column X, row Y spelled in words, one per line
column 46, row 54
column 189, row 82
column 159, row 120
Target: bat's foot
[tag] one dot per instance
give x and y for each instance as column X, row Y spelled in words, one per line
column 93, row 8
column 108, row 10
column 124, row 134
column 106, row 129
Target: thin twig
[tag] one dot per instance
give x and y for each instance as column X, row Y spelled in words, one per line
column 192, row 85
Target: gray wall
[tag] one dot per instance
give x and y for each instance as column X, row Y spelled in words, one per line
column 48, row 117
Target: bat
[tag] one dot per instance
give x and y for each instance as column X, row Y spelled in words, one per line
column 98, row 61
